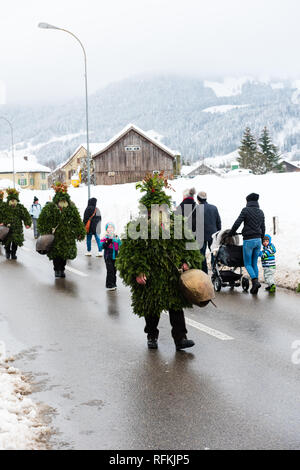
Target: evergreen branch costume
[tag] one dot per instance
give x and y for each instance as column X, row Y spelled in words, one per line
column 1, row 205
column 63, row 215
column 14, row 214
column 158, row 259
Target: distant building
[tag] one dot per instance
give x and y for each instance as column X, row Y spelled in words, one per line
column 290, row 167
column 29, row 173
column 130, row 155
column 68, row 168
column 203, row 170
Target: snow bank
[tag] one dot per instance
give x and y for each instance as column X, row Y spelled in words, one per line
column 279, row 197
column 20, row 422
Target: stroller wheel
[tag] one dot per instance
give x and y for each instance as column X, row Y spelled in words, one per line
column 217, row 284
column 245, row 284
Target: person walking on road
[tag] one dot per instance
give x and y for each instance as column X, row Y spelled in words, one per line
column 268, row 263
column 61, row 218
column 92, row 219
column 110, row 244
column 212, row 224
column 187, row 208
column 149, row 263
column 253, row 233
column 14, row 214
column 35, row 211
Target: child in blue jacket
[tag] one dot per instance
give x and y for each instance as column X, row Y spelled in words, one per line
column 110, row 244
column 268, row 262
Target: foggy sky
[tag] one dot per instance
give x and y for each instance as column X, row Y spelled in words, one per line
column 123, row 38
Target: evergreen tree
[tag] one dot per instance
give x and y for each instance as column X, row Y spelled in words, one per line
column 247, row 150
column 270, row 152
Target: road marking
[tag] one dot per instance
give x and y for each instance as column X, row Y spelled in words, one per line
column 210, row 331
column 75, row 271
column 206, row 329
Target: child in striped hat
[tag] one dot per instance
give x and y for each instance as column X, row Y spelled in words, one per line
column 268, row 262
column 110, row 244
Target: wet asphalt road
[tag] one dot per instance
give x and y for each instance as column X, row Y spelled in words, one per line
column 87, row 355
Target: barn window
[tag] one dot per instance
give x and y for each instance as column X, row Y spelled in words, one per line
column 132, row 148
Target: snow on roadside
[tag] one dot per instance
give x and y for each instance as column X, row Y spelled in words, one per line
column 279, row 197
column 21, row 426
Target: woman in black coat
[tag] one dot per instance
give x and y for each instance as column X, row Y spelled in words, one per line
column 93, row 214
column 253, row 232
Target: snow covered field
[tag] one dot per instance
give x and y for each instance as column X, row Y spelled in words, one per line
column 21, row 426
column 279, row 197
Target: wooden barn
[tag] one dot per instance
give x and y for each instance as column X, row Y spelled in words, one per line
column 130, row 155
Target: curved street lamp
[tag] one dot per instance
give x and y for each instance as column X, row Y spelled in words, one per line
column 12, row 148
column 50, row 26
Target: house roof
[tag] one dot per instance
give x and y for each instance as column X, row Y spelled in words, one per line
column 144, row 134
column 22, row 165
column 94, row 147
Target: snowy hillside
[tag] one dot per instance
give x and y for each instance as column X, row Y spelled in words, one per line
column 199, row 118
column 119, row 202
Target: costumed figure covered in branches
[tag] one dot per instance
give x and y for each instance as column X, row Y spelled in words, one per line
column 154, row 251
column 62, row 219
column 1, row 204
column 13, row 215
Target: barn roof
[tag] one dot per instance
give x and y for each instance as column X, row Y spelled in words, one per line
column 144, row 134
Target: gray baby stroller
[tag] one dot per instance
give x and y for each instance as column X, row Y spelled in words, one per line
column 227, row 253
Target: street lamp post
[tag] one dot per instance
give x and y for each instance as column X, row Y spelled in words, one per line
column 49, row 26
column 12, row 148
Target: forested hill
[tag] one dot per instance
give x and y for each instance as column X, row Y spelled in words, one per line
column 198, row 118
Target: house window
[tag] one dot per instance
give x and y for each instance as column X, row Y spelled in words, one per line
column 22, row 182
column 31, row 181
column 43, row 176
column 132, row 148
column 43, row 187
column 78, row 160
column 71, row 173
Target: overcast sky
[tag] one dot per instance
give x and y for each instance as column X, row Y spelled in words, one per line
column 123, row 38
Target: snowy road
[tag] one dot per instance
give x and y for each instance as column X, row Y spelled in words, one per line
column 237, row 388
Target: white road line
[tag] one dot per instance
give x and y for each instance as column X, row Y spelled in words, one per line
column 75, row 271
column 210, row 331
column 206, row 329
column 68, row 268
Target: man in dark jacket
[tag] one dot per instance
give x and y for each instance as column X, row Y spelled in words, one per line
column 212, row 224
column 187, row 208
column 93, row 214
column 253, row 232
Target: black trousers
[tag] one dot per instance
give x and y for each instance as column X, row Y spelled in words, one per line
column 11, row 248
column 177, row 321
column 111, row 276
column 59, row 264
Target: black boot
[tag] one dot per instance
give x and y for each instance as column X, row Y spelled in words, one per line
column 184, row 343
column 255, row 286
column 13, row 255
column 152, row 342
column 57, row 274
column 7, row 253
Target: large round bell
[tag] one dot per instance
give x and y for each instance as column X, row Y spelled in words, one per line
column 4, row 231
column 44, row 244
column 197, row 287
